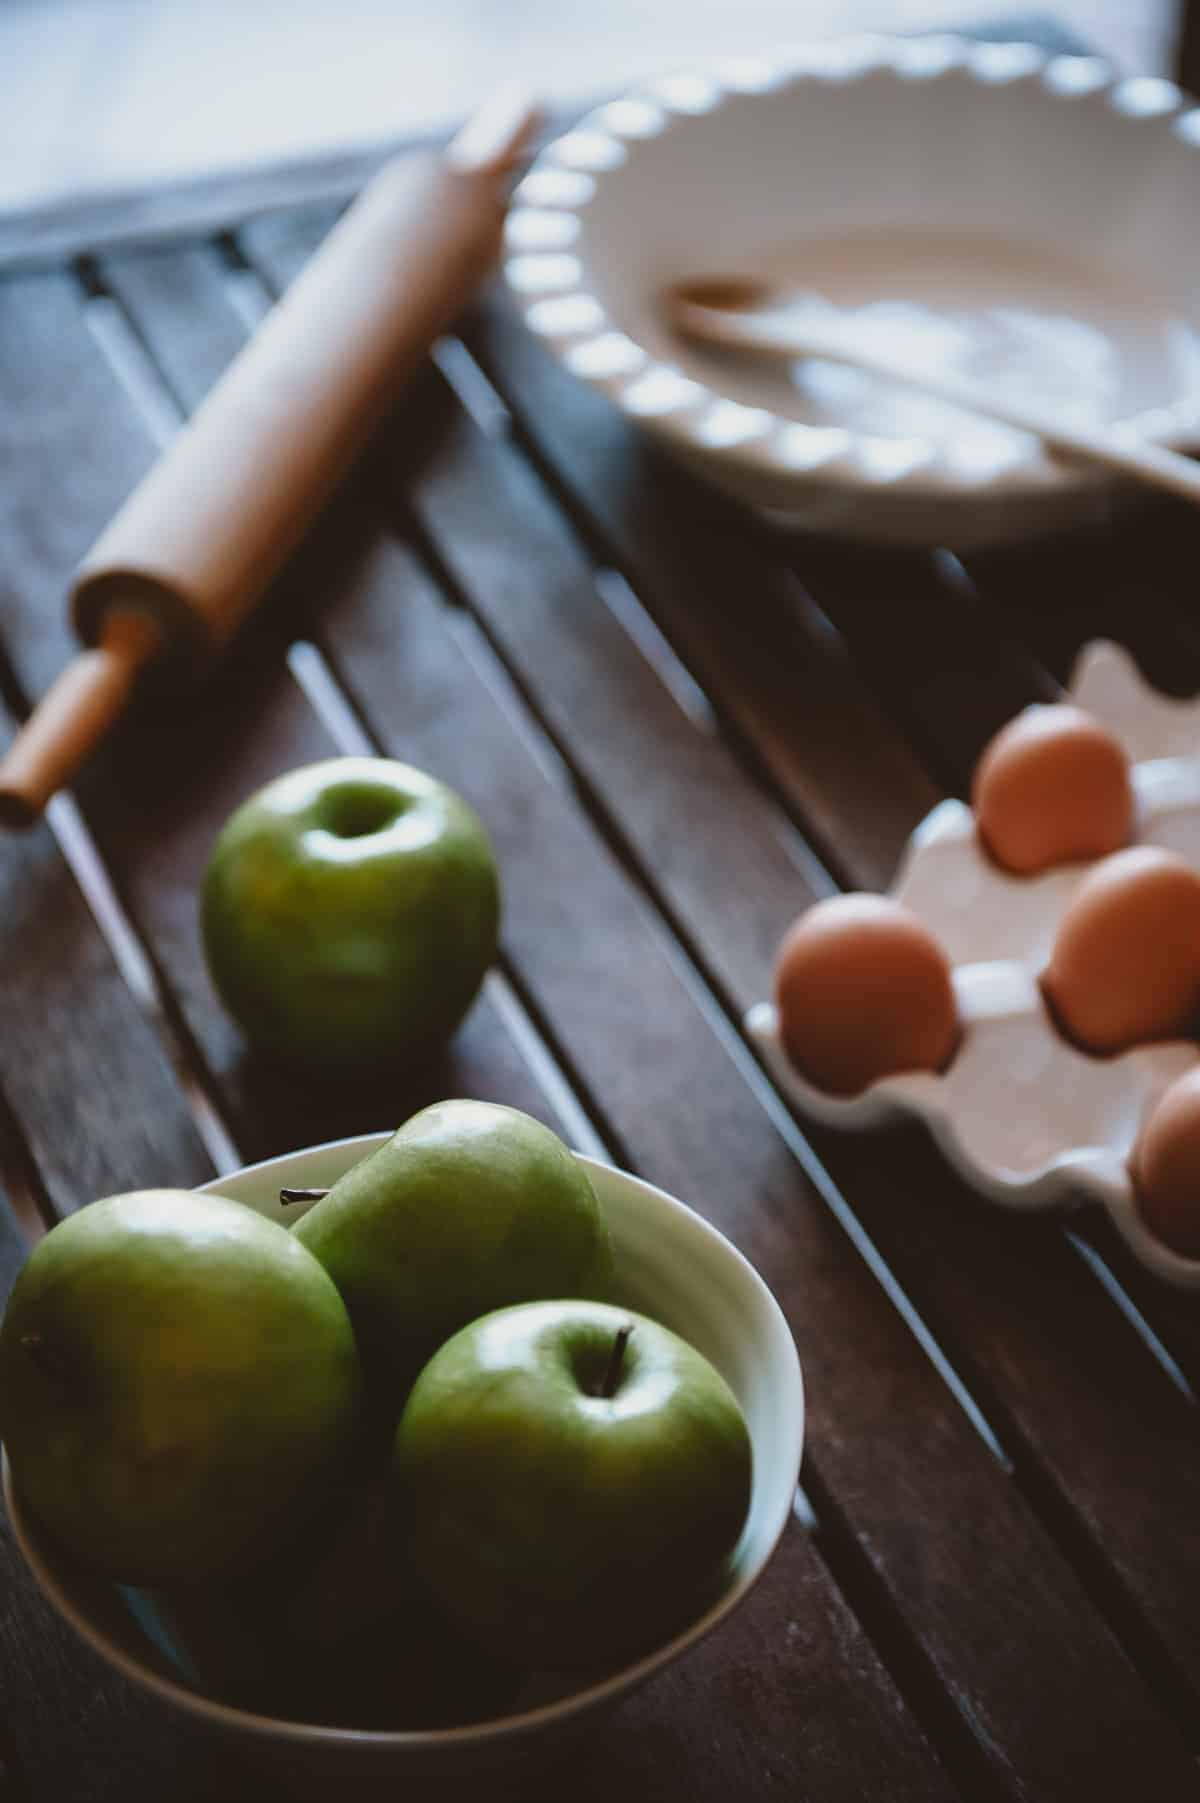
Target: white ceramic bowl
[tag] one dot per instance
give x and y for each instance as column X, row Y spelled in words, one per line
column 672, row 1265
column 1015, row 216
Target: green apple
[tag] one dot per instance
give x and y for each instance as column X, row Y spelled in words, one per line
column 570, row 1479
column 179, row 1385
column 349, row 912
column 468, row 1207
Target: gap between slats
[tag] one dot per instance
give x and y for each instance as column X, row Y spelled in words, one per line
column 20, row 1181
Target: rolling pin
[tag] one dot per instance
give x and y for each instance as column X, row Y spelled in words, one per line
column 197, row 543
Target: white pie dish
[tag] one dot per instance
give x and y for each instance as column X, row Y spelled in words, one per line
column 1023, row 217
column 672, row 1264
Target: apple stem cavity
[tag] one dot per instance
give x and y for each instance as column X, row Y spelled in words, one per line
column 616, row 1358
column 301, row 1195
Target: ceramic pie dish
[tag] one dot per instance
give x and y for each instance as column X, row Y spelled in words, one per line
column 1014, row 216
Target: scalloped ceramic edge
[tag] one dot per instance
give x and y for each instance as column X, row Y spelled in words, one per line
column 681, row 1268
column 827, row 477
column 1028, row 1120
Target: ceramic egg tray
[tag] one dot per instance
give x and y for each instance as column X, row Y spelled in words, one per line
column 1028, row 1119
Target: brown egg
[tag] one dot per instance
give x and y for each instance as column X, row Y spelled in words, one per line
column 1052, row 788
column 1165, row 1167
column 1125, row 968
column 863, row 989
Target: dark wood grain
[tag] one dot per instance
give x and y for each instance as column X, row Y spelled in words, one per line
column 72, row 448
column 951, row 675
column 759, row 1710
column 81, row 1066
column 75, row 1729
column 186, row 287
column 1132, row 582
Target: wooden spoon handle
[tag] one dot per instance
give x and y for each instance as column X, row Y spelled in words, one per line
column 73, row 717
column 777, row 332
column 1110, row 447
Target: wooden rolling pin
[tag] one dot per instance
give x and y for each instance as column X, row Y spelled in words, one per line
column 197, row 543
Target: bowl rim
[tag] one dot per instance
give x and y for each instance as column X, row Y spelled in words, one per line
column 498, row 1729
column 745, row 440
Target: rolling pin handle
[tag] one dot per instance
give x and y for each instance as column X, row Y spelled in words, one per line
column 80, row 708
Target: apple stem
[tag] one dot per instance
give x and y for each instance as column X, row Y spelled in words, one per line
column 612, row 1374
column 301, row 1195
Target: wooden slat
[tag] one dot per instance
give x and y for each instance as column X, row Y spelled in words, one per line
column 70, row 452
column 76, row 1730
column 133, row 801
column 82, row 1068
column 188, row 284
column 1130, row 581
column 942, row 667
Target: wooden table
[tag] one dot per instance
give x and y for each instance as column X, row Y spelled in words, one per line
column 679, row 729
